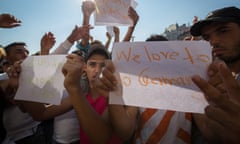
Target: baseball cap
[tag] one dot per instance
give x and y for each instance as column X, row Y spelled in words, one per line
column 226, row 14
column 97, row 49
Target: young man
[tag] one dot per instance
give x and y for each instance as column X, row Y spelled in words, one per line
column 220, row 123
column 90, row 106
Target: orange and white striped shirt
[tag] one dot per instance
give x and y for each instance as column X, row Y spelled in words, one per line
column 163, row 127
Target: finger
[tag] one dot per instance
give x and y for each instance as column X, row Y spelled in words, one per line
column 17, row 66
column 108, row 73
column 9, row 71
column 110, row 66
column 213, row 68
column 70, row 56
column 211, row 93
column 215, row 79
column 110, row 86
column 64, row 71
column 215, row 130
column 230, row 83
column 217, row 114
column 229, row 119
column 221, row 88
column 101, row 88
column 15, row 24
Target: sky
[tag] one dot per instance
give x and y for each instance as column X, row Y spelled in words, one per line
column 60, row 17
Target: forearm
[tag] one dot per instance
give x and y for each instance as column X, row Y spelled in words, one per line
column 86, row 19
column 108, row 43
column 40, row 111
column 123, row 120
column 63, row 48
column 44, row 52
column 116, row 39
column 129, row 33
column 93, row 125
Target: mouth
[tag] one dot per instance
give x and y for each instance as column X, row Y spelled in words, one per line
column 218, row 52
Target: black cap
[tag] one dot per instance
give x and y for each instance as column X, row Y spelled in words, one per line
column 97, row 49
column 227, row 14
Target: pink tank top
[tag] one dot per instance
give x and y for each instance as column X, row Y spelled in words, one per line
column 100, row 104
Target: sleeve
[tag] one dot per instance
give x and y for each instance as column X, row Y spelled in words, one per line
column 63, row 48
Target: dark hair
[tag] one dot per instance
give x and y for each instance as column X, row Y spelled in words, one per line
column 36, row 53
column 156, row 37
column 96, row 42
column 79, row 53
column 8, row 47
column 98, row 49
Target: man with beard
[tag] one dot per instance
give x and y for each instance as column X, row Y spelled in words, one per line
column 220, row 123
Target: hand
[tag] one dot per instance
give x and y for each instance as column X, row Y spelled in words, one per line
column 215, row 76
column 47, row 42
column 9, row 21
column 72, row 70
column 133, row 15
column 117, row 33
column 88, row 7
column 79, row 33
column 13, row 72
column 116, row 30
column 222, row 116
column 107, row 82
column 109, row 37
column 195, row 19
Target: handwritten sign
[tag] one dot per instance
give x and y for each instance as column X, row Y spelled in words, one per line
column 158, row 74
column 112, row 12
column 41, row 79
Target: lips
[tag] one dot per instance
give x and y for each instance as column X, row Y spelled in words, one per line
column 218, row 51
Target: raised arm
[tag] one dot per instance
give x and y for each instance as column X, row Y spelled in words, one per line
column 47, row 42
column 88, row 7
column 109, row 39
column 134, row 16
column 76, row 34
column 116, row 34
column 9, row 21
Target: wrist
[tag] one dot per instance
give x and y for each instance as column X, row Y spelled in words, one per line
column 44, row 52
column 73, row 90
column 71, row 40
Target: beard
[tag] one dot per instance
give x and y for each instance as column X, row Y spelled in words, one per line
column 234, row 58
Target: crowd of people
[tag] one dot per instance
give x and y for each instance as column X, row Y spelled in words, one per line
column 84, row 114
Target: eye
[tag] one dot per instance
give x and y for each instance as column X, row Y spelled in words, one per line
column 222, row 30
column 92, row 64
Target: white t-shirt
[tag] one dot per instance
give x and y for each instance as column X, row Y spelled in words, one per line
column 66, row 127
column 18, row 125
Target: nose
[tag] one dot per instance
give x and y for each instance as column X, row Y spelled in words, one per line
column 24, row 55
column 214, row 41
column 98, row 68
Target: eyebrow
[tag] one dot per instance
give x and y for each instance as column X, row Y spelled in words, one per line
column 222, row 26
